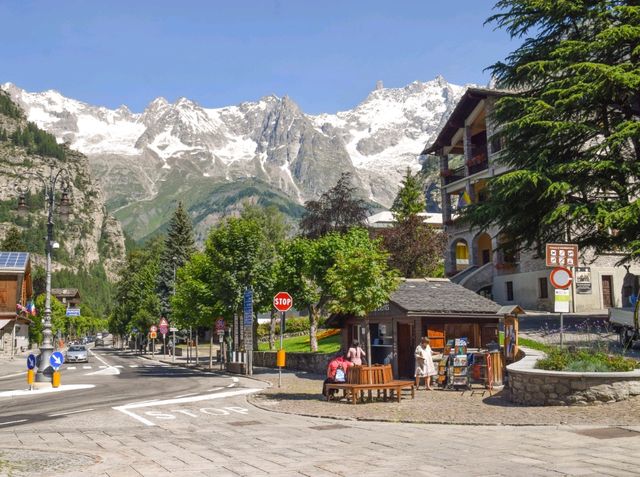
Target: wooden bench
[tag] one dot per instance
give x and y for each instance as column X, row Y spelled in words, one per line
column 379, row 378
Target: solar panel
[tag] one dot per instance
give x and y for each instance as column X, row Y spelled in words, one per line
column 13, row 260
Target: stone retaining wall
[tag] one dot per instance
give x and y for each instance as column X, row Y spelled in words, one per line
column 310, row 362
column 539, row 387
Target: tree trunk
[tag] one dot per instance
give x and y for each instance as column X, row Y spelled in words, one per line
column 254, row 332
column 367, row 333
column 272, row 329
column 313, row 328
column 211, row 347
column 196, row 346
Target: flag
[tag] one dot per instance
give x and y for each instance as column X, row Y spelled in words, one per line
column 31, row 308
column 464, row 200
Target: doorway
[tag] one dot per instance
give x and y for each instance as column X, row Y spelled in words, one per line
column 406, row 347
column 607, row 291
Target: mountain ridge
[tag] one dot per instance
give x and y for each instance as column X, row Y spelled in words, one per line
column 271, row 140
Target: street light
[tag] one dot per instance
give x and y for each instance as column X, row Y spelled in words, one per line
column 44, row 368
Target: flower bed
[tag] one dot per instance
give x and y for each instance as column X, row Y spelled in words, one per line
column 540, row 387
column 559, row 359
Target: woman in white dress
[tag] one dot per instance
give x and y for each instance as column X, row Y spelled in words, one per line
column 424, row 363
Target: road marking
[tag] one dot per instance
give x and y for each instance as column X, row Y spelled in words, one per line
column 28, row 392
column 102, row 367
column 86, row 367
column 133, row 365
column 126, row 409
column 69, row 412
column 13, row 375
column 71, row 367
column 214, row 389
column 235, row 380
column 118, row 366
column 12, row 422
column 185, row 395
column 99, row 358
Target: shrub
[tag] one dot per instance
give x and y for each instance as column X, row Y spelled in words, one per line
column 559, row 359
column 292, row 325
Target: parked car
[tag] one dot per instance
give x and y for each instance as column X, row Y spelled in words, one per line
column 77, row 354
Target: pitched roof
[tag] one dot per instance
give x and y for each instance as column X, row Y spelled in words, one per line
column 441, row 296
column 66, row 292
column 13, row 261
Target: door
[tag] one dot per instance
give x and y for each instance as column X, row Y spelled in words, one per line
column 406, row 346
column 607, row 291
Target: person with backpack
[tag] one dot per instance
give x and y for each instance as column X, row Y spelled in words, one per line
column 337, row 370
column 355, row 353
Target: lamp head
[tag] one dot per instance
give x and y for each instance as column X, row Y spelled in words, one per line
column 23, row 208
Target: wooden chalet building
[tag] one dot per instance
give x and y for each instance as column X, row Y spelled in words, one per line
column 432, row 307
column 15, row 289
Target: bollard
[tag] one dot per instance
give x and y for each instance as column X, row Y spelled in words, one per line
column 31, row 377
column 55, row 380
column 280, row 358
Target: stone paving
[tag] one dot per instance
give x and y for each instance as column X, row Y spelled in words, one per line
column 301, row 394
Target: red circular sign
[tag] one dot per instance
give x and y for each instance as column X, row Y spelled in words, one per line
column 561, row 277
column 282, row 301
column 153, row 328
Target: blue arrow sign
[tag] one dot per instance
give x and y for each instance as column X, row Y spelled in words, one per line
column 31, row 361
column 56, row 359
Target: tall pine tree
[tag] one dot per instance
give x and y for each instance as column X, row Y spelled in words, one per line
column 178, row 247
column 571, row 126
column 410, row 199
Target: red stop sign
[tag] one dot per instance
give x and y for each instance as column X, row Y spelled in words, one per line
column 282, row 301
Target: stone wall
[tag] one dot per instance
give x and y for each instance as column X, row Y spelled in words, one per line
column 539, row 387
column 310, row 362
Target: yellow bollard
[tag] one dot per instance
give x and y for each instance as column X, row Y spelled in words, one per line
column 55, row 381
column 280, row 358
column 31, row 376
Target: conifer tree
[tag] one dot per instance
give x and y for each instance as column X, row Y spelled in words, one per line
column 410, row 199
column 570, row 124
column 13, row 241
column 178, row 247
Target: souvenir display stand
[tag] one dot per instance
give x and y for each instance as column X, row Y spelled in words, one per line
column 460, row 368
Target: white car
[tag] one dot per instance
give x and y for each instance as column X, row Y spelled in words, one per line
column 77, row 354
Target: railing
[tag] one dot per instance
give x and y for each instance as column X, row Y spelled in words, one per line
column 479, row 166
column 452, row 175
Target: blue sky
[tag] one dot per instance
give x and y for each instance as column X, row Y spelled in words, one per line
column 326, row 55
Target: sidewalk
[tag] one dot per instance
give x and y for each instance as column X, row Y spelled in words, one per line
column 301, row 394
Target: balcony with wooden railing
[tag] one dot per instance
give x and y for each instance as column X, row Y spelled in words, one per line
column 452, row 175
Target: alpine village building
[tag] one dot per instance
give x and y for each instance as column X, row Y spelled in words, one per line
column 468, row 153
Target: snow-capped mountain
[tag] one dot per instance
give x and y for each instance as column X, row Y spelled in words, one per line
column 271, row 140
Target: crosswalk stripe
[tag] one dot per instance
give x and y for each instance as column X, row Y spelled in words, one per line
column 101, row 367
column 86, row 367
column 119, row 366
column 133, row 365
column 71, row 367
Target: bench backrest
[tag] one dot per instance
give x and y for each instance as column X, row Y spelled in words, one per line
column 377, row 374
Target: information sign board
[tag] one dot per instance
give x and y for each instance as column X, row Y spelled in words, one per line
column 561, row 255
column 562, row 301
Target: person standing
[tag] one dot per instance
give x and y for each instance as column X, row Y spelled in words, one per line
column 355, row 353
column 424, row 364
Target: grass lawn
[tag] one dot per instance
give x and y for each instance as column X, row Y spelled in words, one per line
column 527, row 343
column 300, row 344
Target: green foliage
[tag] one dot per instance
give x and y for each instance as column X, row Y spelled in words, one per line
column 564, row 359
column 13, row 241
column 337, row 210
column 415, row 248
column 533, row 344
column 59, row 320
column 410, row 200
column 179, row 245
column 292, row 325
column 571, row 126
column 137, row 303
column 96, row 291
column 8, row 107
column 37, row 141
column 360, row 279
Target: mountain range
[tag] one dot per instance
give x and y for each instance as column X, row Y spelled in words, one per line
column 268, row 151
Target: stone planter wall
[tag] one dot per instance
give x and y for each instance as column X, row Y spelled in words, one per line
column 310, row 362
column 539, row 387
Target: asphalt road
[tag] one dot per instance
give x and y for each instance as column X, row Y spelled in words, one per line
column 141, row 418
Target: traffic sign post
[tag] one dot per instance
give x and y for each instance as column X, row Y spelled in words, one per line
column 282, row 302
column 31, row 361
column 163, row 327
column 561, row 279
column 561, row 255
column 248, row 328
column 31, row 375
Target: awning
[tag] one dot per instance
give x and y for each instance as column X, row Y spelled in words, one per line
column 4, row 323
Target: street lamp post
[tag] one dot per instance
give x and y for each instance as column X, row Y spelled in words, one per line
column 45, row 370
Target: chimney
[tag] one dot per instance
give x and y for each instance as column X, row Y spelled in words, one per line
column 379, row 85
